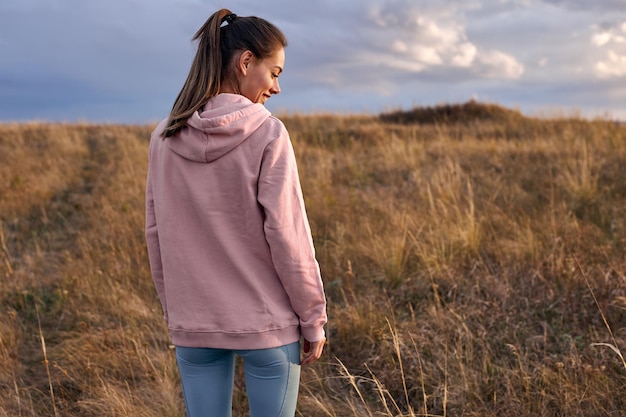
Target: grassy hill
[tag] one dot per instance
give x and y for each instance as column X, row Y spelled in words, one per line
column 473, row 260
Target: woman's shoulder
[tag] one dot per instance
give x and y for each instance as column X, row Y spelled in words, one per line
column 275, row 126
column 270, row 130
column 160, row 127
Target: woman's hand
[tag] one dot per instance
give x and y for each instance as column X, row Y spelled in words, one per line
column 312, row 351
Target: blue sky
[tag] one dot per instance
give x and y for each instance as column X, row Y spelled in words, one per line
column 125, row 61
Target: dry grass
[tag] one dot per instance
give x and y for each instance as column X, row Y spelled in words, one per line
column 473, row 260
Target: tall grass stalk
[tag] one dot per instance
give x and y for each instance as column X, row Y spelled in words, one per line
column 614, row 347
column 46, row 363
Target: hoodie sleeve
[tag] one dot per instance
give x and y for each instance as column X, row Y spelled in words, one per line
column 152, row 242
column 288, row 234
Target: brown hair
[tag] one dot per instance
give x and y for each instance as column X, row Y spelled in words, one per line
column 217, row 43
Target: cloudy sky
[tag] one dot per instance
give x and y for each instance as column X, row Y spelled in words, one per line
column 125, row 61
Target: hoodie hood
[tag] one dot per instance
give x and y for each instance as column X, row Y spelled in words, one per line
column 224, row 122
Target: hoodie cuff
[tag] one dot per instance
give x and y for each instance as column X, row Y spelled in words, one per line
column 313, row 334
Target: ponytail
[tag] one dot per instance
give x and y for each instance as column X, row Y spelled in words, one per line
column 216, row 44
column 203, row 81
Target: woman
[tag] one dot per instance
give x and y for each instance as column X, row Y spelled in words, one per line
column 230, row 247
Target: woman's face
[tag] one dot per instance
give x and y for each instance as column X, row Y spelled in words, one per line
column 260, row 76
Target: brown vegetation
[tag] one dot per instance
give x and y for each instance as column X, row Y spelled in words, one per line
column 474, row 266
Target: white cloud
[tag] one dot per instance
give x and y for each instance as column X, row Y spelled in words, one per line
column 604, row 36
column 443, row 33
column 465, row 56
column 611, row 40
column 601, row 39
column 613, row 66
column 399, row 46
column 500, row 65
column 426, row 55
column 431, row 41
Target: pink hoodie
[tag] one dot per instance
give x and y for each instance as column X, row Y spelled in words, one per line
column 230, row 246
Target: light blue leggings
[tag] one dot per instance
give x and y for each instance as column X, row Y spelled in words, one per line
column 272, row 380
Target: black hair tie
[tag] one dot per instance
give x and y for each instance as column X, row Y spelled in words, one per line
column 230, row 18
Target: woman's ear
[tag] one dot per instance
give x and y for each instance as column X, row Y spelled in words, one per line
column 244, row 61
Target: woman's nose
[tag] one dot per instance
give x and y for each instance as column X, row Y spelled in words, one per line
column 275, row 87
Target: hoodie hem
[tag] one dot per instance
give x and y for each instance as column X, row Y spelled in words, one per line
column 236, row 341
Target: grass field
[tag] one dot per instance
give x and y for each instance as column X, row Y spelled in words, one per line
column 473, row 258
